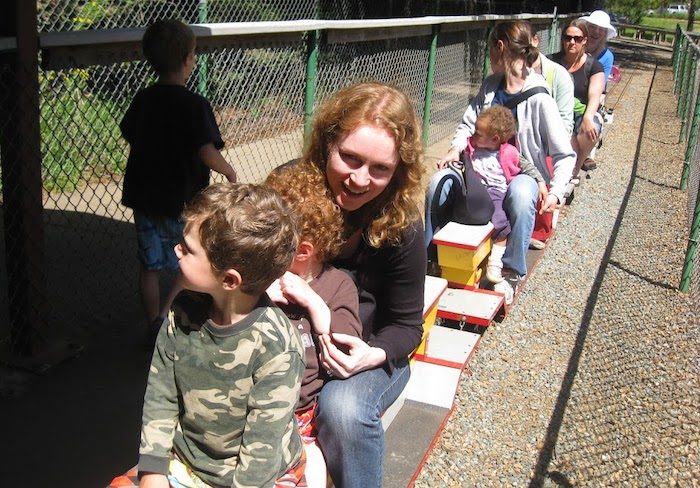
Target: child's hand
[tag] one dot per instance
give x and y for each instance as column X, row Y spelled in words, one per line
column 542, row 190
column 296, row 289
column 153, row 480
column 274, row 291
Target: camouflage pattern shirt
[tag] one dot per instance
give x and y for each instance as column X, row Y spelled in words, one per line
column 223, row 397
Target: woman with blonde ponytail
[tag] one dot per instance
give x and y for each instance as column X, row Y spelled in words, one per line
column 541, row 133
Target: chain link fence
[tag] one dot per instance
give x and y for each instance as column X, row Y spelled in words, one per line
column 75, row 256
column 71, row 15
column 686, row 69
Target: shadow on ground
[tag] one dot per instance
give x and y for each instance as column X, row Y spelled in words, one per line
column 78, row 424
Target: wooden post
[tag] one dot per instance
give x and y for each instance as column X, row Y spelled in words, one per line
column 21, row 181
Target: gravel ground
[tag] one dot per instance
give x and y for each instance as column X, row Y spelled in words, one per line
column 593, row 378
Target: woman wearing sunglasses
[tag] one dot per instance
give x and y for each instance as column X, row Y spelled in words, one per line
column 589, row 83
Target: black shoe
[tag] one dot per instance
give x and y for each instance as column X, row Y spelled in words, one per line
column 433, row 269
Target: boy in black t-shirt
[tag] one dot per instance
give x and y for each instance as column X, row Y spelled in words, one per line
column 174, row 141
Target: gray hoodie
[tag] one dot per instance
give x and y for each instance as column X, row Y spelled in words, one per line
column 541, row 131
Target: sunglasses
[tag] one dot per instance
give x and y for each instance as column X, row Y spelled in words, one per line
column 576, row 39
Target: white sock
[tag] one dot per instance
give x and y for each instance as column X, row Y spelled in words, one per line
column 496, row 257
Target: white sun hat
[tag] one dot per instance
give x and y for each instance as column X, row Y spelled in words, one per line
column 601, row 19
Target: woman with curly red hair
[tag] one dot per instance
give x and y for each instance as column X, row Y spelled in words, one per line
column 365, row 145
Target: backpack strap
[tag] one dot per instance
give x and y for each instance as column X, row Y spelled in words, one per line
column 522, row 96
column 458, row 168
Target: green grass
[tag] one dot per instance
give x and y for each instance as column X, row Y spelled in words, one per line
column 80, row 136
column 669, row 23
column 662, row 23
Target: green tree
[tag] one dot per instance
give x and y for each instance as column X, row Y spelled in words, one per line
column 634, row 10
column 691, row 15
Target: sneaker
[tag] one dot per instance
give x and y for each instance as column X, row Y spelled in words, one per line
column 514, row 280
column 537, row 244
column 493, row 273
column 505, row 289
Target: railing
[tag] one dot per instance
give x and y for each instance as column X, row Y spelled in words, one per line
column 686, row 70
column 69, row 244
column 656, row 35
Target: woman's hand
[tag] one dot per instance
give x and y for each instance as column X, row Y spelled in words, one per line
column 549, row 204
column 588, row 128
column 542, row 190
column 359, row 357
column 451, row 155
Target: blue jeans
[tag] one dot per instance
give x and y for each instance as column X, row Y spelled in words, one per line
column 520, row 202
column 349, row 425
column 157, row 238
column 519, row 206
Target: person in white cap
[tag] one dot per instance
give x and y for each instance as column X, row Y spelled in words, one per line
column 599, row 31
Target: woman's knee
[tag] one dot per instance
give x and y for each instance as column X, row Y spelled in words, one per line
column 343, row 408
column 440, row 186
column 521, row 196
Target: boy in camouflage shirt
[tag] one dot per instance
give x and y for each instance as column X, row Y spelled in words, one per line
column 227, row 367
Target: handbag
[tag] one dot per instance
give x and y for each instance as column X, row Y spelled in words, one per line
column 473, row 205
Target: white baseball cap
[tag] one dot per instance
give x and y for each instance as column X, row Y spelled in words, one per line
column 601, row 19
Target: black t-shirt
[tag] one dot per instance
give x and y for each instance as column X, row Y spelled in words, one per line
column 165, row 126
column 581, row 76
column 390, row 283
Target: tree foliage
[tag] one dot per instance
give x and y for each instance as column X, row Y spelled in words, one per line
column 634, row 10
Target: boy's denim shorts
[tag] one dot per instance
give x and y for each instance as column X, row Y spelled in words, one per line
column 157, row 238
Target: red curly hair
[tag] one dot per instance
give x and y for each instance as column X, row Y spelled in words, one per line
column 320, row 219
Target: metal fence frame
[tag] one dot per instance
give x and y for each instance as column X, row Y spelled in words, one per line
column 686, row 72
column 433, row 46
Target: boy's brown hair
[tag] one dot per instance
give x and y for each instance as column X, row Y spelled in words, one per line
column 499, row 122
column 166, row 45
column 320, row 219
column 245, row 227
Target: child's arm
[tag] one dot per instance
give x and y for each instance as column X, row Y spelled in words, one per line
column 344, row 306
column 160, row 408
column 151, row 480
column 271, row 402
column 527, row 167
column 298, row 291
column 212, row 157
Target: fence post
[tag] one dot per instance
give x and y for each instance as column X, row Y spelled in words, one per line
column 20, row 142
column 203, row 59
column 676, row 44
column 692, row 140
column 311, row 69
column 685, row 105
column 682, row 76
column 429, row 82
column 681, row 64
column 553, row 31
column 690, row 252
column 487, row 58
